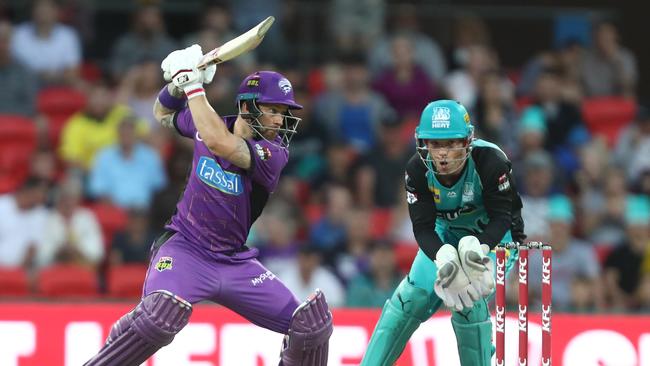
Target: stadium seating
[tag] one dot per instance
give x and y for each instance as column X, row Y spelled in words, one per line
column 404, row 254
column 58, row 104
column 606, row 116
column 17, row 143
column 111, row 219
column 125, row 281
column 68, row 281
column 13, row 282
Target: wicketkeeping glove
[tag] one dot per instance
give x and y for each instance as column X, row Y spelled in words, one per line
column 477, row 264
column 452, row 285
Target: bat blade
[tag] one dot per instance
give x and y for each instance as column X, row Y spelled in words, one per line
column 237, row 46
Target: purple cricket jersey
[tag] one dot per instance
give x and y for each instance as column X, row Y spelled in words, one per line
column 221, row 200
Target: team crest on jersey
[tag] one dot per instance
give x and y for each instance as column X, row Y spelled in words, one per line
column 468, row 192
column 504, row 183
column 164, row 263
column 263, row 152
column 440, row 117
column 285, row 85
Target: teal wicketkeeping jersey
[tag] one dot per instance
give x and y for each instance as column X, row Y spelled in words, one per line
column 460, row 208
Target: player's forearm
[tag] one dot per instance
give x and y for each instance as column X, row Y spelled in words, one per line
column 170, row 100
column 428, row 241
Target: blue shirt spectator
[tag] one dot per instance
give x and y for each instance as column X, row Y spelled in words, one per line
column 128, row 173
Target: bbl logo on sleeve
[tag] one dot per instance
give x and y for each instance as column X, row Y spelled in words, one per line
column 440, row 117
column 164, row 263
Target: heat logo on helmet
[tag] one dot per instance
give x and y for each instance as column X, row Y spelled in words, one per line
column 253, row 83
column 285, row 85
column 440, row 117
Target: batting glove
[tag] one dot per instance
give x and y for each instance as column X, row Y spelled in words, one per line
column 180, row 67
column 452, row 284
column 477, row 264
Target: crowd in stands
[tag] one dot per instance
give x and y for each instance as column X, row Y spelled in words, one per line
column 88, row 178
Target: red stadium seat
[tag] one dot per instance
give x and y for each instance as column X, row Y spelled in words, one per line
column 13, row 282
column 17, row 143
column 67, row 280
column 111, row 219
column 404, row 254
column 58, row 104
column 380, row 223
column 606, row 116
column 125, row 281
column 314, row 212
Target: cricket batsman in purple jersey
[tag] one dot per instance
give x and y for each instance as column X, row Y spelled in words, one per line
column 202, row 255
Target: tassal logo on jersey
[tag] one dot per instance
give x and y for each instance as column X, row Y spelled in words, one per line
column 212, row 174
column 504, row 183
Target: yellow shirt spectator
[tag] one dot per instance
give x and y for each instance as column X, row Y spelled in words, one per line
column 83, row 136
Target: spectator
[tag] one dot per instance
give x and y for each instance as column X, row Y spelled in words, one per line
column 47, row 47
column 19, row 84
column 353, row 113
column 139, row 90
column 463, row 85
column 93, row 128
column 427, row 53
column 602, row 194
column 536, row 190
column 132, row 244
column 354, row 258
column 355, row 24
column 572, row 258
column 23, row 220
column 72, row 233
column 385, row 166
column 308, row 273
column 633, row 146
column 329, row 234
column 404, row 84
column 623, row 265
column 374, row 286
column 494, row 115
column 147, row 40
column 216, row 29
column 531, row 132
column 128, row 173
column 609, row 68
column 469, row 31
column 562, row 118
column 277, row 242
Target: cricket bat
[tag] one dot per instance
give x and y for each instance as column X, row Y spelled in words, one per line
column 237, row 46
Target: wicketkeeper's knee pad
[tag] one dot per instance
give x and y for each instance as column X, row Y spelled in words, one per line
column 473, row 330
column 307, row 341
column 402, row 315
column 139, row 334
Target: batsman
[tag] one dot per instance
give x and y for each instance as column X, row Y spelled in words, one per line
column 202, row 256
column 462, row 202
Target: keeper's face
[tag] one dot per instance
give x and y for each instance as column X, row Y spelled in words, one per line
column 448, row 155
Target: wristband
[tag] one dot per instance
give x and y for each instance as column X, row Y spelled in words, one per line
column 192, row 91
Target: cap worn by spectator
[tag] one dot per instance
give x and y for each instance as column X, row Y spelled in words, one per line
column 560, row 208
column 637, row 211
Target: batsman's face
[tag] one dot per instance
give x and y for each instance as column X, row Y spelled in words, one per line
column 448, row 155
column 273, row 118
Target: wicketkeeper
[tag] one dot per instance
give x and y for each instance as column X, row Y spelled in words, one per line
column 462, row 202
column 202, row 255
